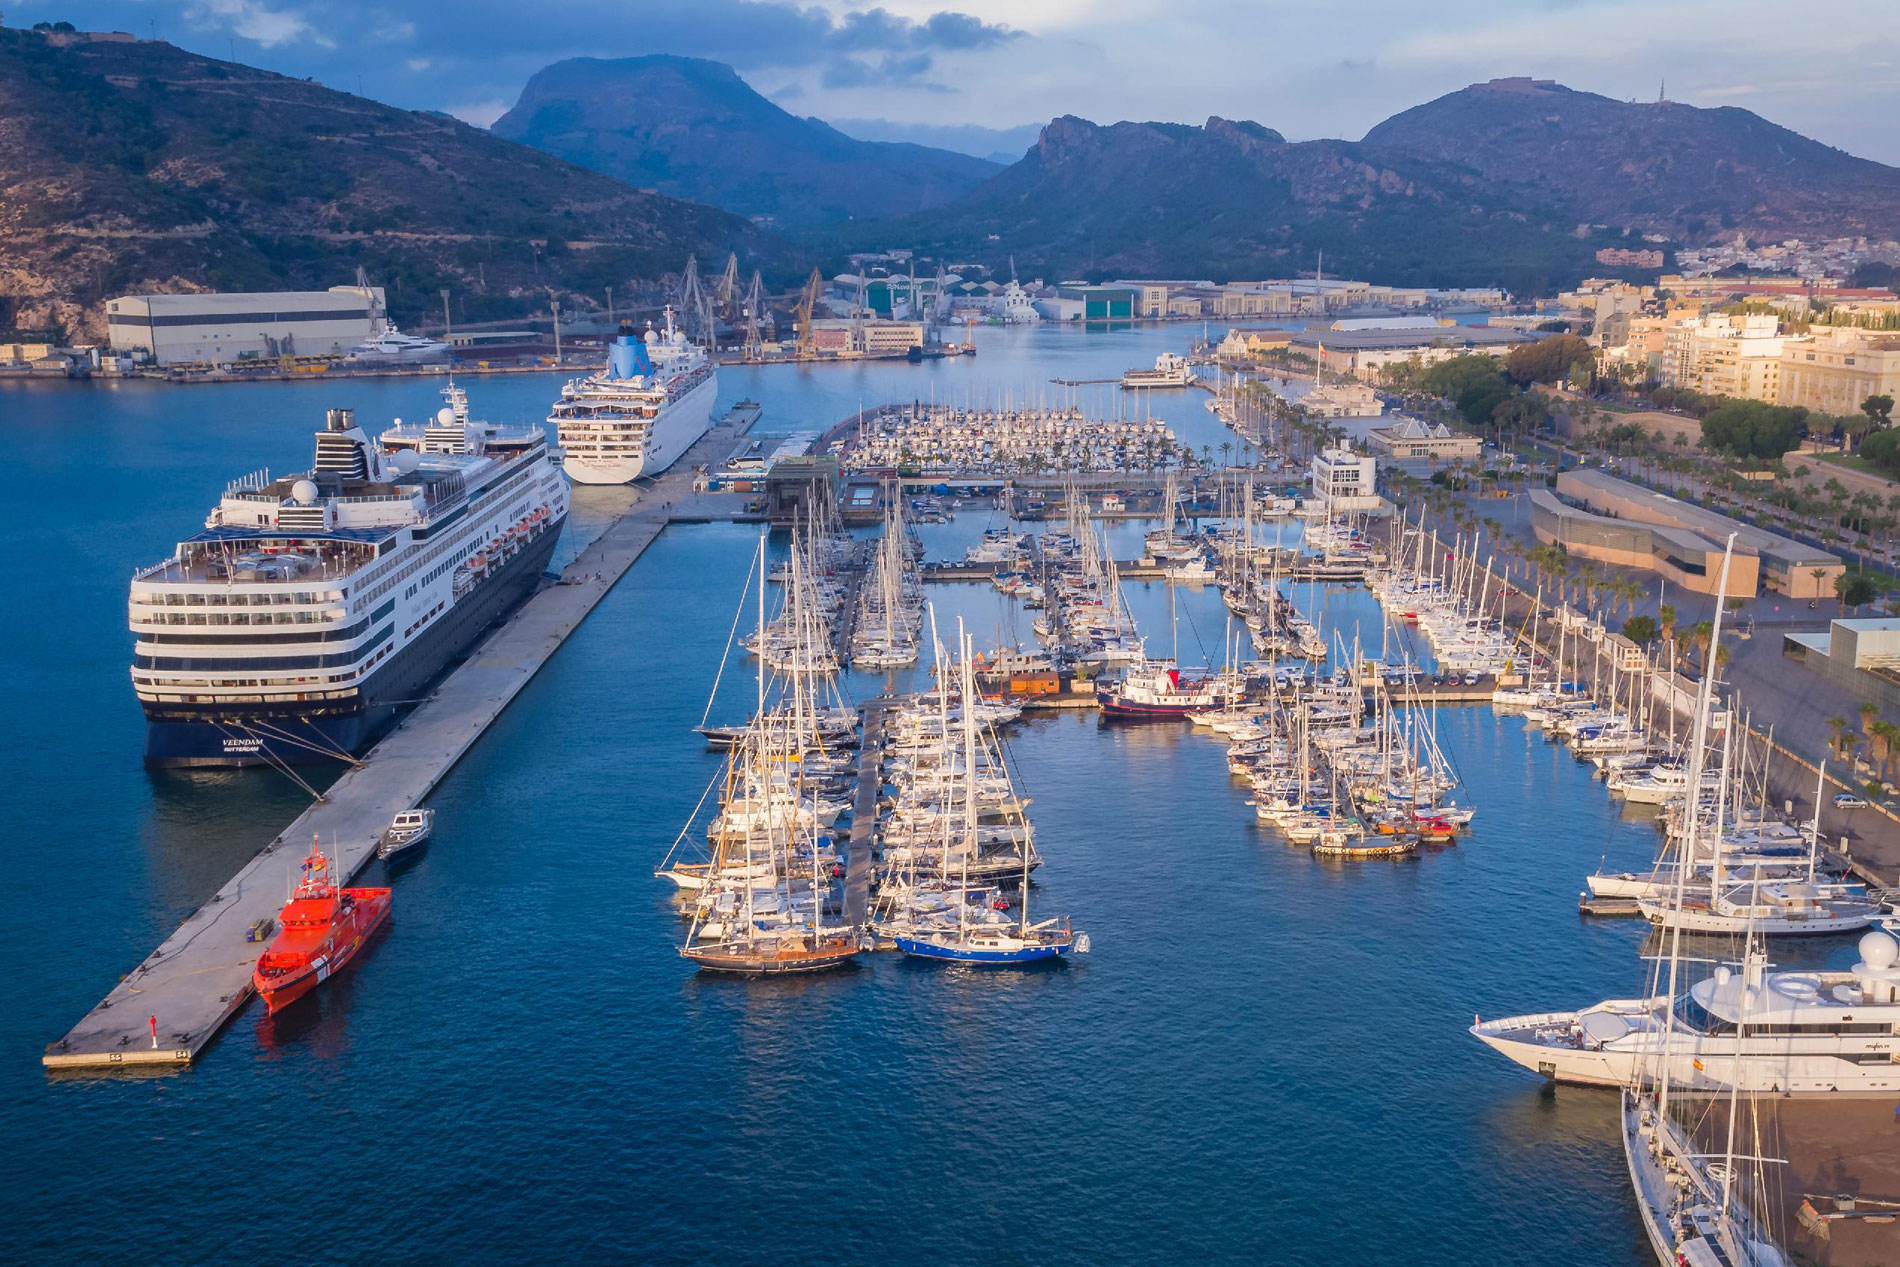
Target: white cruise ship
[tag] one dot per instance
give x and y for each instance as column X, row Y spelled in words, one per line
column 641, row 413
column 313, row 607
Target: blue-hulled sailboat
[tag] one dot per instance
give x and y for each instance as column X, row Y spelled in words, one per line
column 988, row 945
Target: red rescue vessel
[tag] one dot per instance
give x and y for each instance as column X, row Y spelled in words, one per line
column 320, row 930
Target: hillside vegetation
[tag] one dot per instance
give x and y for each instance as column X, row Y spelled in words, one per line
column 136, row 166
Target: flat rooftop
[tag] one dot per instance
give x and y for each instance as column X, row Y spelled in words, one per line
column 1707, row 523
column 1449, row 336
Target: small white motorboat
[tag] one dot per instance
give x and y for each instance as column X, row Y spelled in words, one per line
column 406, row 834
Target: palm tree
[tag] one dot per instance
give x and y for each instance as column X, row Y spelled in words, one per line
column 1881, row 738
column 1868, row 711
column 1837, row 741
column 1701, row 634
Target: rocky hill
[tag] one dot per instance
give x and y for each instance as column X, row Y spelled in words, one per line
column 134, row 165
column 1237, row 200
column 693, row 129
column 1689, row 173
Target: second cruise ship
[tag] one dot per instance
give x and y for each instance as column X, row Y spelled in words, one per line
column 313, row 607
column 641, row 413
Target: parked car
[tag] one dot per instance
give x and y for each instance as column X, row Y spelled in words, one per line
column 1847, row 800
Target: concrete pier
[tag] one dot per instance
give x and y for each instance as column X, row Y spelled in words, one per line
column 860, row 860
column 201, row 976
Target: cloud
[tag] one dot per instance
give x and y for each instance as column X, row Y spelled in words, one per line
column 961, row 31
column 256, row 22
column 479, row 113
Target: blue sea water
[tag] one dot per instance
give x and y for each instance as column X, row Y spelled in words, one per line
column 1264, row 1060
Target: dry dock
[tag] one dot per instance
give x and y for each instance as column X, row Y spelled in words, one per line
column 201, row 976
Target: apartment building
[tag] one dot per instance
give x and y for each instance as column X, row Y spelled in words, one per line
column 1724, row 356
column 1833, row 370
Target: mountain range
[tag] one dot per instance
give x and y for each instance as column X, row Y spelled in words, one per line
column 129, row 165
column 693, row 129
column 1515, row 182
column 1660, row 167
column 135, row 165
column 1236, row 199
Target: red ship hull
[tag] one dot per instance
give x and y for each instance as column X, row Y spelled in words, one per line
column 323, row 928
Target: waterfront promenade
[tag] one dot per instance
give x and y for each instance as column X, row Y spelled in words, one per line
column 168, row 1010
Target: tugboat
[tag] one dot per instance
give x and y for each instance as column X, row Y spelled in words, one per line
column 320, row 930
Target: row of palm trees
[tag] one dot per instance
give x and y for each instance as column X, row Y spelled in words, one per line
column 1877, row 737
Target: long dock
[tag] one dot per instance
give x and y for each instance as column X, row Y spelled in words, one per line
column 861, row 860
column 169, row 1008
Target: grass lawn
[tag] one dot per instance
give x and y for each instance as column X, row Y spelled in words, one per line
column 1853, row 462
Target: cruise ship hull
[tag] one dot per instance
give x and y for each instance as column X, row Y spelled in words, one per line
column 673, row 433
column 298, row 732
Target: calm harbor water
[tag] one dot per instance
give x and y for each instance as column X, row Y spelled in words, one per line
column 1264, row 1059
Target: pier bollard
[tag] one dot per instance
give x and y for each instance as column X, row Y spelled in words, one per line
column 154, row 1033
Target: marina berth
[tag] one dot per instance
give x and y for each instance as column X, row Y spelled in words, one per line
column 764, row 900
column 641, row 412
column 966, row 836
column 891, row 598
column 958, row 441
column 314, row 607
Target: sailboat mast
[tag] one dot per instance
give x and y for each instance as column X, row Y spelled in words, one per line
column 1705, row 698
column 969, row 780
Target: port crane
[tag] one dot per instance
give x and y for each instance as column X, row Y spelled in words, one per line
column 754, row 311
column 802, row 314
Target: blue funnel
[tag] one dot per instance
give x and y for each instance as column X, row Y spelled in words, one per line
column 627, row 357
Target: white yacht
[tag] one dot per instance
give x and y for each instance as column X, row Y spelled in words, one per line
column 313, row 607
column 639, row 414
column 1776, row 908
column 393, row 347
column 1807, row 1033
column 1171, row 370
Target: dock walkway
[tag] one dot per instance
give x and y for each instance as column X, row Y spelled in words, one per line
column 200, row 977
column 860, row 860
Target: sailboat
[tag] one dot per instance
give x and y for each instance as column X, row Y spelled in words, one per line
column 759, row 904
column 986, row 944
column 888, row 618
column 1691, row 1205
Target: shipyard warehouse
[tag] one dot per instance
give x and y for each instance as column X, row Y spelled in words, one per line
column 220, row 329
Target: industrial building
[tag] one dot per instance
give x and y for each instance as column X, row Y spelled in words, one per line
column 842, row 336
column 1597, row 516
column 1103, row 303
column 222, row 329
column 1862, row 654
column 1364, row 352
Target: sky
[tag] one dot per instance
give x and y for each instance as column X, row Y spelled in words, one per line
column 980, row 76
